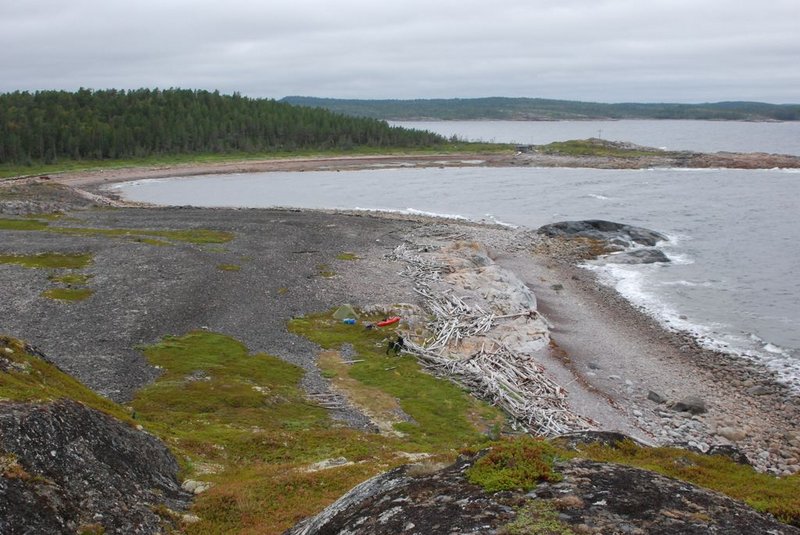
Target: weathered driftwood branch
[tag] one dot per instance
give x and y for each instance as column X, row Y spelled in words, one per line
column 514, row 382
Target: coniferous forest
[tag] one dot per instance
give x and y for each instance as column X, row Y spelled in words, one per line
column 48, row 126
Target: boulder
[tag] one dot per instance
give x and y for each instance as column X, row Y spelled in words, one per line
column 637, row 256
column 692, row 404
column 607, row 231
column 655, row 397
column 76, row 466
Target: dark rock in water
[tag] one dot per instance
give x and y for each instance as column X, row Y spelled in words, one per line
column 608, row 231
column 610, row 498
column 639, row 256
column 692, row 404
column 73, row 466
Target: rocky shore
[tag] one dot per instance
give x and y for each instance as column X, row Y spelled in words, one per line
column 620, row 367
column 621, row 370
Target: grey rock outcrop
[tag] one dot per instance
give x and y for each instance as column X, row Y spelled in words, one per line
column 67, row 466
column 592, row 497
column 637, row 256
column 608, row 231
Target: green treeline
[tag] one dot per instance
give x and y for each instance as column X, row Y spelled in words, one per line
column 48, row 126
column 540, row 109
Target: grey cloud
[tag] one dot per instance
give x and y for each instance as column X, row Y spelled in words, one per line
column 608, row 50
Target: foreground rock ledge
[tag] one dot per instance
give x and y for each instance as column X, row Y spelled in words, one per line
column 593, row 498
column 66, row 467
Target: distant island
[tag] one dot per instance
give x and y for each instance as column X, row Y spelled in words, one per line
column 539, row 109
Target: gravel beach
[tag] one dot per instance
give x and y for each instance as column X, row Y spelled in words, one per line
column 620, row 368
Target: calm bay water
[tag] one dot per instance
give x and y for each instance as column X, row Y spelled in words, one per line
column 701, row 136
column 733, row 233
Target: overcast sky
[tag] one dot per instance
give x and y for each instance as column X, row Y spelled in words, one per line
column 594, row 50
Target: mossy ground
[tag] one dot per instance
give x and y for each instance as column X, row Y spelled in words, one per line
column 68, row 294
column 219, row 406
column 149, row 236
column 518, row 464
column 240, row 421
column 22, row 224
column 596, row 147
column 537, row 518
column 29, row 378
column 346, row 256
column 48, row 260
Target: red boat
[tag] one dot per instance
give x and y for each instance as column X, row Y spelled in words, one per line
column 388, row 321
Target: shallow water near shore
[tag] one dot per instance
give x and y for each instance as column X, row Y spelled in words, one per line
column 731, row 282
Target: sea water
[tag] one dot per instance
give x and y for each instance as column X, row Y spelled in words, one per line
column 700, row 136
column 733, row 280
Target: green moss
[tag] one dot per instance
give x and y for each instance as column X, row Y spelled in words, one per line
column 442, row 413
column 346, row 256
column 153, row 241
column 22, row 224
column 30, row 378
column 763, row 492
column 197, row 236
column 68, row 294
column 74, row 279
column 151, row 237
column 229, row 267
column 515, row 464
column 49, row 260
column 324, row 270
column 538, row 517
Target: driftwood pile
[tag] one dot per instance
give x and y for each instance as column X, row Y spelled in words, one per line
column 514, row 382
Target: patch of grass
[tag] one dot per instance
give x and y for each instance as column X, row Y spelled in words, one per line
column 149, row 236
column 68, row 294
column 153, row 241
column 537, row 517
column 596, row 147
column 217, row 403
column 229, row 267
column 52, row 216
column 382, row 408
column 10, row 467
column 49, row 260
column 29, row 378
column 22, row 224
column 73, row 279
column 196, row 236
column 441, row 410
column 324, row 270
column 515, row 464
column 763, row 492
column 346, row 256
